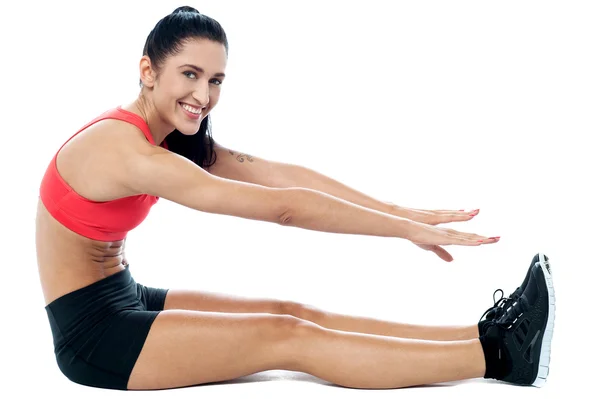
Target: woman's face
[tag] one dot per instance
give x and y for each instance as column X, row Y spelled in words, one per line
column 189, row 84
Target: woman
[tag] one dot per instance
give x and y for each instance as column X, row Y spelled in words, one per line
column 110, row 331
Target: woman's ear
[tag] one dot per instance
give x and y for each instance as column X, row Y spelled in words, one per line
column 146, row 72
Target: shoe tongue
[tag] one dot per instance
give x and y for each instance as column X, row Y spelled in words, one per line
column 492, row 314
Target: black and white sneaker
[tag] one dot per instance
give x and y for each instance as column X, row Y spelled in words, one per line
column 517, row 344
column 503, row 303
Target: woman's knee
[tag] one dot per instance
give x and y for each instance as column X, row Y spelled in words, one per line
column 302, row 311
column 287, row 325
column 288, row 330
column 289, row 335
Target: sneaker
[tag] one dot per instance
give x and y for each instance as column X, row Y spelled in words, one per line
column 503, row 303
column 523, row 332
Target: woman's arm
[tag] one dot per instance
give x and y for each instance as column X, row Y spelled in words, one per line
column 300, row 176
column 235, row 165
column 153, row 170
column 240, row 166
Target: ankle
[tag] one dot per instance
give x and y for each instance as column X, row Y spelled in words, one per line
column 496, row 357
column 482, row 327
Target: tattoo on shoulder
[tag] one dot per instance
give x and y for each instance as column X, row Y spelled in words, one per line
column 240, row 157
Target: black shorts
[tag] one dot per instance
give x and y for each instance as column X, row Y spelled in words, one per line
column 99, row 330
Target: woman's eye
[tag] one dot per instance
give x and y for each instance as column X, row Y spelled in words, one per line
column 188, row 73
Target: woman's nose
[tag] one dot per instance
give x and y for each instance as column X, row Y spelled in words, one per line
column 201, row 94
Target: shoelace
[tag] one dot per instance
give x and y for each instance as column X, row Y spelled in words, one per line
column 500, row 304
column 513, row 313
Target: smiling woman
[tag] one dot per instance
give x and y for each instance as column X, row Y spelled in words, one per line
column 110, row 331
column 209, row 44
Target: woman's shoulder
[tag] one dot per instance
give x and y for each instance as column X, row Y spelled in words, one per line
column 111, row 131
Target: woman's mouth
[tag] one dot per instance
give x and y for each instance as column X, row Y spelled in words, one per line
column 190, row 111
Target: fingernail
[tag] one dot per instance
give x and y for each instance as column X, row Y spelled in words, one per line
column 480, row 241
column 494, row 238
column 473, row 214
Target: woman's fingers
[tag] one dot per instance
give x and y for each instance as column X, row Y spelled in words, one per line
column 476, row 240
column 426, row 234
column 469, row 238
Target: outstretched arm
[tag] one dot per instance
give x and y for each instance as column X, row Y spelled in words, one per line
column 235, row 165
column 153, row 170
column 300, row 176
column 240, row 166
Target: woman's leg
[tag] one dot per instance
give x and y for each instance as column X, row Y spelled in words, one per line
column 216, row 302
column 370, row 325
column 186, row 348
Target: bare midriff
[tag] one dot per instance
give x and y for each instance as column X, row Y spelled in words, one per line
column 68, row 261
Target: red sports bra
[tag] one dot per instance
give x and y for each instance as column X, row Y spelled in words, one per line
column 106, row 220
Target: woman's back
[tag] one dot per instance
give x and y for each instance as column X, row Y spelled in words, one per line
column 79, row 196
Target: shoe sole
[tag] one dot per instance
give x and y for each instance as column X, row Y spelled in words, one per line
column 544, row 362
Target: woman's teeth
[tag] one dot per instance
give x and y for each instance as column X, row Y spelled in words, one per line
column 191, row 109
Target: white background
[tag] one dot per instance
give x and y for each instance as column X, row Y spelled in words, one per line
column 432, row 104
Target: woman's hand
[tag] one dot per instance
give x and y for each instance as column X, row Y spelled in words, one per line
column 433, row 217
column 430, row 238
column 124, row 261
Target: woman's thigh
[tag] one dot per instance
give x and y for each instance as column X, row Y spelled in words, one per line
column 185, row 348
column 218, row 302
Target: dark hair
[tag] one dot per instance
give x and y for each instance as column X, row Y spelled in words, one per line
column 166, row 39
